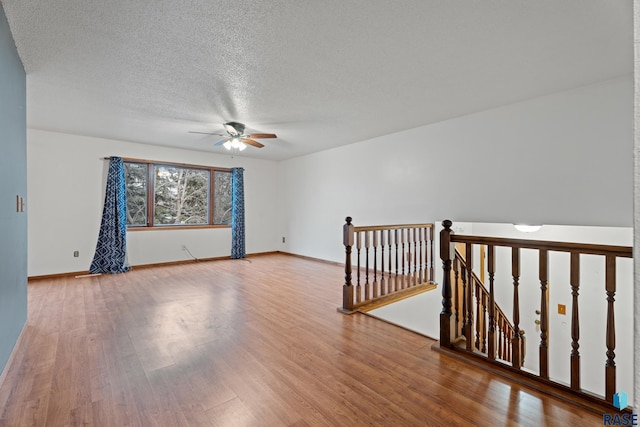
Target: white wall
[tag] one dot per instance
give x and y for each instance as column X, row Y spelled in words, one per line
column 561, row 159
column 66, row 180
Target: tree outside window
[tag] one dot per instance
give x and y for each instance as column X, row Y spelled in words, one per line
column 136, row 178
column 178, row 195
column 222, row 195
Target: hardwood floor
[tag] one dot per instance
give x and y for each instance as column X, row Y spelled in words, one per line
column 242, row 343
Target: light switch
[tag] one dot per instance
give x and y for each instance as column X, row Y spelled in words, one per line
column 562, row 309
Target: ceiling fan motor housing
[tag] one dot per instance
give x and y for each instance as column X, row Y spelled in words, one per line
column 239, row 127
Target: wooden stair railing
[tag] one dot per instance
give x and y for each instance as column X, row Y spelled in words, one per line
column 449, row 325
column 493, row 330
column 392, row 262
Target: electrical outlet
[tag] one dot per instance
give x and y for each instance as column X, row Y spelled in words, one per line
column 283, row 239
column 76, row 254
column 562, row 309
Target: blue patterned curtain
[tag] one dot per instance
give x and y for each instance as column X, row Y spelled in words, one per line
column 111, row 250
column 237, row 213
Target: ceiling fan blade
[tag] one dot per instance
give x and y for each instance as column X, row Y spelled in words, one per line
column 262, row 135
column 251, row 142
column 207, row 133
column 222, row 141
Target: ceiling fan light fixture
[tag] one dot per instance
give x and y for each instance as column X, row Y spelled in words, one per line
column 234, row 144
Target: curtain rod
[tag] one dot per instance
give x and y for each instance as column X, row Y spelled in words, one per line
column 130, row 159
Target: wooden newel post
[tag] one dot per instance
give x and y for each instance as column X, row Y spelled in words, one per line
column 347, row 289
column 447, row 325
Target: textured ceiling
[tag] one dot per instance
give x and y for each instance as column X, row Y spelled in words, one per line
column 320, row 74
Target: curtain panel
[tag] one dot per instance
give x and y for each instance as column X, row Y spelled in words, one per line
column 237, row 213
column 111, row 249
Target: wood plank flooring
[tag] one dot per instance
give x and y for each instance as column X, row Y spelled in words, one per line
column 254, row 342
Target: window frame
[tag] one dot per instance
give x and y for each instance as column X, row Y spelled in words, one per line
column 151, row 195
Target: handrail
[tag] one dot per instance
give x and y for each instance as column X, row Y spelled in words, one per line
column 448, row 319
column 500, row 318
column 390, row 227
column 391, row 262
column 583, row 248
column 477, row 280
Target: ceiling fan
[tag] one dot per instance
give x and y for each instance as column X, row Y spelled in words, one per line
column 236, row 137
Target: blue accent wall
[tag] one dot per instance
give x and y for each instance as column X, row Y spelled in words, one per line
column 13, row 182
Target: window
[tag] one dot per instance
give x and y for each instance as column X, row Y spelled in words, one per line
column 173, row 195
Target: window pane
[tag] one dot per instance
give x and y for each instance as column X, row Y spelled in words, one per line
column 181, row 196
column 222, row 198
column 136, row 178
